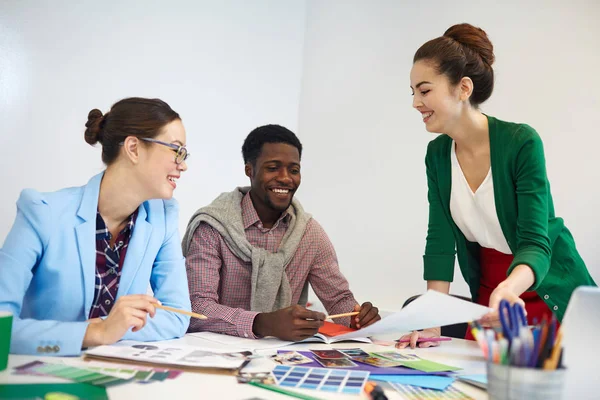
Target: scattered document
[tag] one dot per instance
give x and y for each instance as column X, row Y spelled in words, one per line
column 170, row 354
column 429, row 310
column 242, row 343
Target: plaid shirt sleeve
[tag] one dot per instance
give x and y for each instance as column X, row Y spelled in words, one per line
column 326, row 279
column 203, row 264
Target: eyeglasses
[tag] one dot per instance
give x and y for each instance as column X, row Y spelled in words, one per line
column 181, row 153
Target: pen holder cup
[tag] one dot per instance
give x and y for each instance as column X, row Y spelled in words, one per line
column 516, row 383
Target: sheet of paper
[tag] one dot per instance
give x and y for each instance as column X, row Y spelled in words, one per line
column 429, row 366
column 243, row 343
column 480, row 378
column 44, row 390
column 429, row 310
column 424, row 381
column 171, row 354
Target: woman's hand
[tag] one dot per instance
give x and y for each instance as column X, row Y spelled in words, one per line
column 128, row 312
column 502, row 292
column 414, row 336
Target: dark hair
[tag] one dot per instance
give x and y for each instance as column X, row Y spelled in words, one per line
column 267, row 134
column 464, row 50
column 134, row 116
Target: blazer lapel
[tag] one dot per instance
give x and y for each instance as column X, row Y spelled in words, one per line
column 136, row 251
column 86, row 238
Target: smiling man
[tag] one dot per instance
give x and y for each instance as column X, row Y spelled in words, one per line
column 251, row 254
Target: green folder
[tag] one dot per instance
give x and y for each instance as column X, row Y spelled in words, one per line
column 53, row 391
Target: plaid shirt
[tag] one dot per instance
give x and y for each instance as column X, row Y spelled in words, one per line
column 220, row 282
column 109, row 262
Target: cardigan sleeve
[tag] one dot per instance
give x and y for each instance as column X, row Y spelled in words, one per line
column 440, row 247
column 533, row 246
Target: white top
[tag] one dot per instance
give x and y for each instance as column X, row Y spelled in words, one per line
column 475, row 213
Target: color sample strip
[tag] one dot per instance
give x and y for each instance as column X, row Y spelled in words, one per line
column 323, row 379
column 78, row 375
column 154, row 374
column 417, row 393
column 429, row 366
column 424, row 381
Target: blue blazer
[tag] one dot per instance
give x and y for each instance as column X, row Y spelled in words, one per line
column 48, row 264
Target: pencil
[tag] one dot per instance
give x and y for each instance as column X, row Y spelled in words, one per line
column 283, row 391
column 425, row 339
column 176, row 310
column 349, row 314
column 552, row 361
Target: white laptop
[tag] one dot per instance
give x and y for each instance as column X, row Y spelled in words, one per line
column 581, row 338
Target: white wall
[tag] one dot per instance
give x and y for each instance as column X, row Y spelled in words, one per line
column 336, row 71
column 225, row 66
column 363, row 168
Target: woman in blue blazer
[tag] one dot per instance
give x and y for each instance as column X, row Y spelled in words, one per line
column 76, row 265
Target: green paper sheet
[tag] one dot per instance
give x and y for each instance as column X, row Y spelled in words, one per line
column 43, row 390
column 429, row 366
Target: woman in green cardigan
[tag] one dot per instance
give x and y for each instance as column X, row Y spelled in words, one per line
column 489, row 196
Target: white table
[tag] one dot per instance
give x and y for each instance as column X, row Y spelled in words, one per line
column 195, row 386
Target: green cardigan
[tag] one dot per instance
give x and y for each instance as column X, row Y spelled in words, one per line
column 524, row 206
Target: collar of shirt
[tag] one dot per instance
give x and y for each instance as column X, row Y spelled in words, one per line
column 102, row 231
column 250, row 216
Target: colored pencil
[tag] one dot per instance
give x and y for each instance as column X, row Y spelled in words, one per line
column 424, row 339
column 350, row 314
column 176, row 310
column 552, row 361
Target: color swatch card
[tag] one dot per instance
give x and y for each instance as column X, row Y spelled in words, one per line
column 424, row 381
column 138, row 373
column 414, row 362
column 409, row 392
column 79, row 375
column 53, row 391
column 323, row 379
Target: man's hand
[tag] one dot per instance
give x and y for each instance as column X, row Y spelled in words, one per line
column 367, row 316
column 292, row 323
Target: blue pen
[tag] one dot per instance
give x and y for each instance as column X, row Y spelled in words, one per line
column 536, row 347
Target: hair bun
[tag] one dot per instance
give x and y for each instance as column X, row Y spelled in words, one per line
column 475, row 39
column 93, row 132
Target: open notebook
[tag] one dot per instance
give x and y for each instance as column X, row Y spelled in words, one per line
column 332, row 333
column 170, row 355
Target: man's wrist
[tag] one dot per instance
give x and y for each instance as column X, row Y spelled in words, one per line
column 260, row 325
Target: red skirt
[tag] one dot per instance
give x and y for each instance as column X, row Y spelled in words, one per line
column 494, row 266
